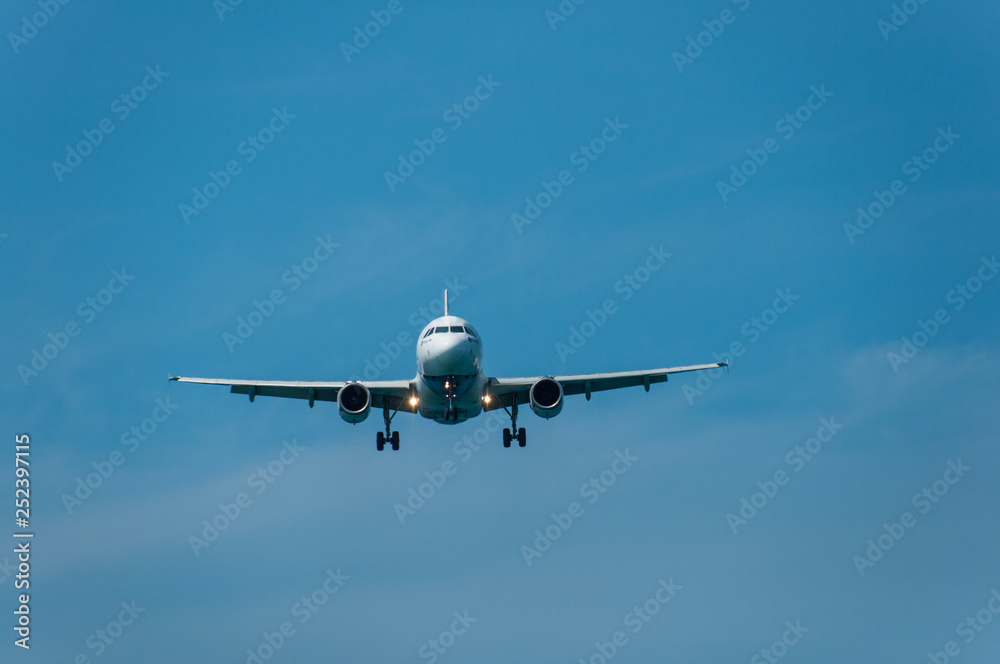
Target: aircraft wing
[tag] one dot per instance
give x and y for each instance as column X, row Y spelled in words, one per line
column 393, row 393
column 504, row 391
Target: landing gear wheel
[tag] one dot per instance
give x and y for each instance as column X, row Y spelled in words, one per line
column 390, row 436
column 513, row 433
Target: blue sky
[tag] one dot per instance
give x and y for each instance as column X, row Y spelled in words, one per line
column 328, row 128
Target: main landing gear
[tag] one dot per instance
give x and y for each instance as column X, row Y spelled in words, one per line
column 521, row 437
column 390, row 436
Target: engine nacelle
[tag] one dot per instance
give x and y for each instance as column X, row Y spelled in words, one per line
column 354, row 402
column 546, row 397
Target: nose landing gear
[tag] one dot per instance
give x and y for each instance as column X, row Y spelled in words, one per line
column 450, row 386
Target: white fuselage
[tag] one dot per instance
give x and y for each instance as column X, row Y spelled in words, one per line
column 450, row 377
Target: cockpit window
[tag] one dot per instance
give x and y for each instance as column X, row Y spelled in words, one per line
column 456, row 328
column 428, row 332
column 440, row 329
column 471, row 332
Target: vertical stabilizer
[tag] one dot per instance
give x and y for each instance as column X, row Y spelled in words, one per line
column 446, row 302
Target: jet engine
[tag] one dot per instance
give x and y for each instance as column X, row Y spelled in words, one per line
column 546, row 397
column 354, row 402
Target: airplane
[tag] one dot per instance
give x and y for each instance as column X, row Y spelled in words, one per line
column 450, row 386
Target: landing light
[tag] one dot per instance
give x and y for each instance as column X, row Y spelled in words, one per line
column 486, row 398
column 413, row 401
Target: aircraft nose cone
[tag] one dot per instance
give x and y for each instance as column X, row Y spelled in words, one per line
column 452, row 357
column 455, row 356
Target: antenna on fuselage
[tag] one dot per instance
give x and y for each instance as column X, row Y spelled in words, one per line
column 445, row 301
